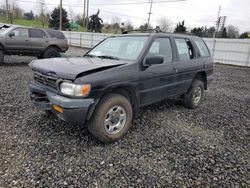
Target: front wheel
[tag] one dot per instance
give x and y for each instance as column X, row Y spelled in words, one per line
column 194, row 96
column 111, row 119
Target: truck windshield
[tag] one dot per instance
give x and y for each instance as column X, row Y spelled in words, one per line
column 128, row 48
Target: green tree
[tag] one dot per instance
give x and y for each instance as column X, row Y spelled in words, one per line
column 198, row 31
column 145, row 27
column 224, row 33
column 54, row 21
column 245, row 35
column 95, row 23
column 180, row 27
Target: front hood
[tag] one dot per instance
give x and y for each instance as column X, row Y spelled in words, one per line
column 70, row 68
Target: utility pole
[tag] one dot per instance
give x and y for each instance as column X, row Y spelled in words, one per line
column 7, row 10
column 87, row 16
column 60, row 15
column 84, row 15
column 217, row 22
column 150, row 12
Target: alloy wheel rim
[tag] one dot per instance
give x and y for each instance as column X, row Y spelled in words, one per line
column 197, row 95
column 115, row 120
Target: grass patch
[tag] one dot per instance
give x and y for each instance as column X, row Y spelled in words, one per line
column 23, row 22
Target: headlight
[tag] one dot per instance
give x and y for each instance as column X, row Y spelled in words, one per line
column 75, row 89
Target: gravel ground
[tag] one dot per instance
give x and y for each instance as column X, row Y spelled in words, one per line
column 168, row 145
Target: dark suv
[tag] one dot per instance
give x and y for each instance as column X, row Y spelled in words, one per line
column 107, row 87
column 42, row 43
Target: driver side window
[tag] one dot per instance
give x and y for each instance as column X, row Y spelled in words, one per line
column 20, row 32
column 161, row 46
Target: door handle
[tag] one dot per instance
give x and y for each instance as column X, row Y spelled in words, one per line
column 47, row 41
column 175, row 68
column 26, row 40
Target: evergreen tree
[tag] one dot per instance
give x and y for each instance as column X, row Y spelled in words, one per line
column 180, row 27
column 224, row 33
column 198, row 31
column 245, row 35
column 54, row 21
column 95, row 23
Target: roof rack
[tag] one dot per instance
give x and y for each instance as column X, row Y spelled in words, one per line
column 156, row 30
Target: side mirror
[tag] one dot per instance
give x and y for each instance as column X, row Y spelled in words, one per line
column 11, row 34
column 153, row 60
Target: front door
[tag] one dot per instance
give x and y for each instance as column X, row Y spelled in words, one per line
column 158, row 81
column 20, row 42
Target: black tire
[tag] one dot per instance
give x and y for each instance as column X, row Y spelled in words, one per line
column 1, row 57
column 51, row 53
column 190, row 99
column 97, row 126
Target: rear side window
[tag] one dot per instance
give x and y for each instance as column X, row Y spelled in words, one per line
column 56, row 34
column 185, row 49
column 37, row 33
column 202, row 48
column 161, row 46
column 21, row 32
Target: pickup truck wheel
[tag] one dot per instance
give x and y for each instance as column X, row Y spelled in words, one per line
column 51, row 53
column 111, row 119
column 1, row 57
column 194, row 96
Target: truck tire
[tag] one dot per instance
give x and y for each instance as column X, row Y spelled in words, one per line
column 1, row 57
column 111, row 118
column 51, row 52
column 194, row 95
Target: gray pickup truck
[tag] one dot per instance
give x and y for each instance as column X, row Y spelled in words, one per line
column 41, row 43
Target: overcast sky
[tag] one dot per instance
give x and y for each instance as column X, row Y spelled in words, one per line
column 194, row 12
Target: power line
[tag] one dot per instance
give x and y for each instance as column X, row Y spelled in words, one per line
column 136, row 3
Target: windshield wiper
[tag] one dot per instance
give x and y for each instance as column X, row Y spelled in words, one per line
column 108, row 57
column 90, row 55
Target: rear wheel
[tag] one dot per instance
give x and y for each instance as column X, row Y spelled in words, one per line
column 1, row 57
column 111, row 119
column 194, row 96
column 51, row 53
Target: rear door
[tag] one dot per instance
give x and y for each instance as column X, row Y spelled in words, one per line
column 187, row 65
column 39, row 40
column 158, row 81
column 20, row 42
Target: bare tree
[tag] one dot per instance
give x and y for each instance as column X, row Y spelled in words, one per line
column 232, row 31
column 128, row 25
column 164, row 24
column 18, row 12
column 116, row 20
column 71, row 14
column 42, row 12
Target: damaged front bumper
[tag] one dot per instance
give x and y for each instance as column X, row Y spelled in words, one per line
column 73, row 111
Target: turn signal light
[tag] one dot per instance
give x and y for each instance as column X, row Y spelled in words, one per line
column 58, row 108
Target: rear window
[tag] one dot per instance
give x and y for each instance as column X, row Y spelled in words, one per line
column 56, row 34
column 184, row 51
column 37, row 33
column 202, row 48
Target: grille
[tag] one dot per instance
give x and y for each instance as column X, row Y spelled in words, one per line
column 45, row 80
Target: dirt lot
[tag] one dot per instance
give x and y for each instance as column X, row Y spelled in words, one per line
column 168, row 145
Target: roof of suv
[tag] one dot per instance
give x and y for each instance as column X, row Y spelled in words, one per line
column 158, row 34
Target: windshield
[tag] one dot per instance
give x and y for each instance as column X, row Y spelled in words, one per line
column 128, row 48
column 3, row 31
